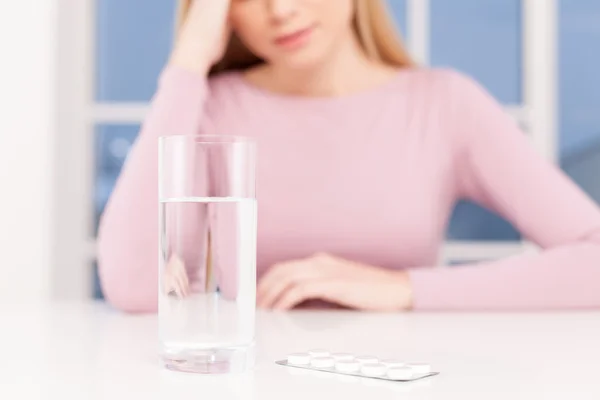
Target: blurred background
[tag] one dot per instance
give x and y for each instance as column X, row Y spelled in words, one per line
column 78, row 76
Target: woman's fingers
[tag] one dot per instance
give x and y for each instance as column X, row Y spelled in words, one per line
column 282, row 277
column 183, row 280
column 167, row 286
column 181, row 285
column 299, row 293
column 275, row 274
column 175, row 278
column 177, row 288
column 271, row 292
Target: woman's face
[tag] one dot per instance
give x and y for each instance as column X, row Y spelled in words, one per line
column 295, row 33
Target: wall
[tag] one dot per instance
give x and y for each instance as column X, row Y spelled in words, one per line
column 27, row 135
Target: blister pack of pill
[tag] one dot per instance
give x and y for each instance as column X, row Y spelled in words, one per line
column 358, row 365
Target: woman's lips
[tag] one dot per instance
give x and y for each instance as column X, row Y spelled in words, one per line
column 295, row 39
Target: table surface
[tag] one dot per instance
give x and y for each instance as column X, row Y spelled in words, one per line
column 88, row 351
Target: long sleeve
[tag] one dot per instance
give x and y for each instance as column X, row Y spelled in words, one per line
column 128, row 234
column 498, row 168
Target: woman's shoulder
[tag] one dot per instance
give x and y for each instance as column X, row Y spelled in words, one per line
column 225, row 82
column 455, row 92
column 175, row 76
column 440, row 79
column 227, row 92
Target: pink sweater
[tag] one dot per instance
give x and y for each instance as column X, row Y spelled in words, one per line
column 371, row 177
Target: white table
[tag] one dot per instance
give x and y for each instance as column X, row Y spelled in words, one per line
column 88, row 351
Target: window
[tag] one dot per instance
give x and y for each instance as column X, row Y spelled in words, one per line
column 580, row 92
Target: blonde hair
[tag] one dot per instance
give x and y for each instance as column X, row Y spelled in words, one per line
column 372, row 23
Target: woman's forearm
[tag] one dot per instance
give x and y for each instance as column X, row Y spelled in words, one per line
column 564, row 277
column 128, row 234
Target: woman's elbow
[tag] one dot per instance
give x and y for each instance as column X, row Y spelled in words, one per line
column 594, row 238
column 129, row 300
column 585, row 273
column 127, row 282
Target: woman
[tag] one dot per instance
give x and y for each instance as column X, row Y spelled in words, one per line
column 347, row 126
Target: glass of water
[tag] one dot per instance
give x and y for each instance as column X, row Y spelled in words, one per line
column 207, row 253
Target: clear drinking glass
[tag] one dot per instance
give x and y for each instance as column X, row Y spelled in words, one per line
column 207, row 253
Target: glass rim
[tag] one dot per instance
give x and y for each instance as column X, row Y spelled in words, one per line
column 211, row 139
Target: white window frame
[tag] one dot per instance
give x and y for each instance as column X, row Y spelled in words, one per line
column 78, row 114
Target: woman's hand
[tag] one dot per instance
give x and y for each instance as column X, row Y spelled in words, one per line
column 175, row 279
column 333, row 279
column 203, row 36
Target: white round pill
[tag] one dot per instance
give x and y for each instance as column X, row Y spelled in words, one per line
column 322, row 362
column 400, row 373
column 298, row 358
column 420, row 368
column 373, row 369
column 318, row 353
column 393, row 363
column 347, row 366
column 343, row 356
column 367, row 359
